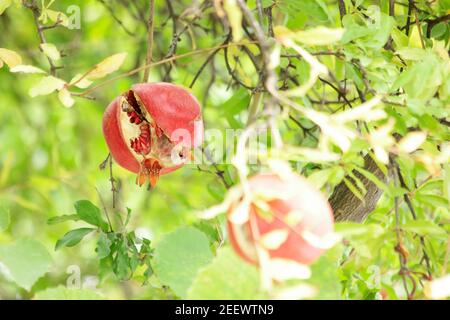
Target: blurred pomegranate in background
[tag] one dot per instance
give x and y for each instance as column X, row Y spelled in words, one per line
column 289, row 218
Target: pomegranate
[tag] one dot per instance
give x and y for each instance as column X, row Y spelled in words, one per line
column 288, row 218
column 151, row 129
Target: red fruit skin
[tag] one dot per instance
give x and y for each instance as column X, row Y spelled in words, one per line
column 171, row 107
column 115, row 140
column 316, row 212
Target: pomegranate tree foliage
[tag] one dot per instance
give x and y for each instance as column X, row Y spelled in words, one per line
column 332, row 81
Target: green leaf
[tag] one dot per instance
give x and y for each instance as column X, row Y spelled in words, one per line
column 25, row 261
column 372, row 178
column 73, row 237
column 4, row 4
column 420, row 80
column 91, row 214
column 439, row 29
column 325, row 275
column 64, row 218
column 121, row 265
column 317, row 36
column 431, row 200
column 354, row 189
column 314, row 9
column 103, row 246
column 62, row 293
column 228, row 277
column 352, row 229
column 371, row 33
column 5, row 219
column 331, row 175
column 424, row 228
column 235, row 105
column 179, row 256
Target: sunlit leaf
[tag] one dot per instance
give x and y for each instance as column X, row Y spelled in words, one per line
column 90, row 213
column 179, row 256
column 25, row 261
column 66, row 98
column 227, row 277
column 412, row 141
column 73, row 237
column 50, row 51
column 26, row 69
column 80, row 82
column 11, row 58
column 315, row 36
column 4, row 4
column 107, row 66
column 46, row 86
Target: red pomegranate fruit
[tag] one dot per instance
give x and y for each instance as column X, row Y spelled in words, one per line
column 151, row 129
column 288, row 218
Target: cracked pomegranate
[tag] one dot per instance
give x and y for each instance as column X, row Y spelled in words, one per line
column 151, row 129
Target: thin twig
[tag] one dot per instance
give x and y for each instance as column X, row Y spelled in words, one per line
column 414, row 215
column 342, row 10
column 408, row 19
column 136, row 70
column 105, row 210
column 40, row 29
column 150, row 30
column 210, row 57
column 116, row 18
column 402, row 255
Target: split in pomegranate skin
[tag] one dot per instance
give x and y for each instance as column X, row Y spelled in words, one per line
column 294, row 209
column 151, row 129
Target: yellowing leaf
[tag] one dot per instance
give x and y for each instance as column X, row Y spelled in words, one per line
column 274, row 239
column 412, row 141
column 11, row 58
column 82, row 84
column 23, row 68
column 234, row 14
column 107, row 66
column 66, row 98
column 50, row 51
column 4, row 4
column 58, row 16
column 46, row 86
column 316, row 36
column 414, row 38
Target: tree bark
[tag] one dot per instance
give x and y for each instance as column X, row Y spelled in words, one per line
column 346, row 206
